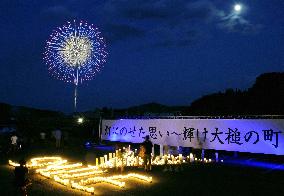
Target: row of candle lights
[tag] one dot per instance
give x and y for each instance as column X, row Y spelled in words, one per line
column 80, row 177
column 76, row 175
column 128, row 158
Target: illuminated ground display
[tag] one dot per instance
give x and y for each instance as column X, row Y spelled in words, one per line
column 78, row 178
column 76, row 175
column 85, row 177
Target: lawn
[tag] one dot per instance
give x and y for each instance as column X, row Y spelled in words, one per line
column 195, row 179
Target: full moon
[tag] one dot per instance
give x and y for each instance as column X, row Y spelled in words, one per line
column 237, row 7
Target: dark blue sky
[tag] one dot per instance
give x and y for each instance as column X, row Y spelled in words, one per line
column 166, row 51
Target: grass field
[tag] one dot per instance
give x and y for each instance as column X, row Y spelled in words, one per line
column 195, row 179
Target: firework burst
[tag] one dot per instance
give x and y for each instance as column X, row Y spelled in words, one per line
column 75, row 52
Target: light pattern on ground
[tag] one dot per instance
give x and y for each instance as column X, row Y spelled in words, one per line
column 76, row 175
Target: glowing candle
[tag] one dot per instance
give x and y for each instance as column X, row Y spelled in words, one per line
column 110, row 156
column 78, row 176
column 180, row 157
column 101, row 161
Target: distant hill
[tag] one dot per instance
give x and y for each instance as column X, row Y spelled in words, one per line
column 149, row 109
column 156, row 108
column 5, row 110
column 265, row 97
column 9, row 112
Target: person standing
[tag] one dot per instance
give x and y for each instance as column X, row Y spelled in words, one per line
column 14, row 140
column 42, row 135
column 21, row 178
column 147, row 154
column 57, row 135
column 21, row 172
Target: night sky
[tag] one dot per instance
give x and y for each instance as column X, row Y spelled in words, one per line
column 166, row 51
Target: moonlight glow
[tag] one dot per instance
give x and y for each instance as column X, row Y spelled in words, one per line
column 237, row 7
column 75, row 52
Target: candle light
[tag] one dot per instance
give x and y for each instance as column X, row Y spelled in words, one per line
column 78, row 176
column 109, row 156
column 101, row 161
column 180, row 157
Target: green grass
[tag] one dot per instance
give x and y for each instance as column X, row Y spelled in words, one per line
column 195, row 179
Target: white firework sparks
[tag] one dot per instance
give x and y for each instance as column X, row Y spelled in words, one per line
column 75, row 52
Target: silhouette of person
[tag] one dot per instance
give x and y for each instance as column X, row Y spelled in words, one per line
column 147, row 154
column 57, row 135
column 21, row 174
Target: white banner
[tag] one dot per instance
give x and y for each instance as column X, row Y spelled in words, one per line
column 243, row 135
